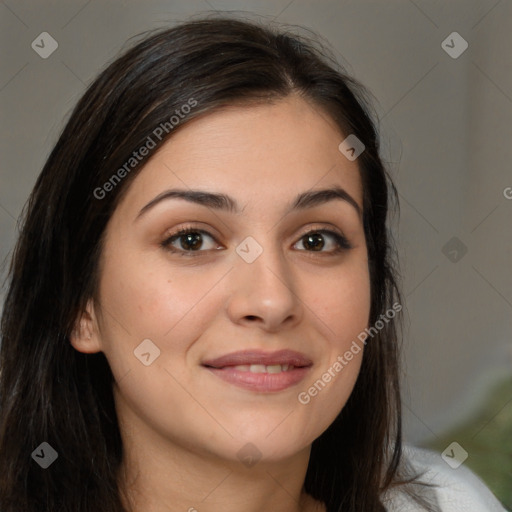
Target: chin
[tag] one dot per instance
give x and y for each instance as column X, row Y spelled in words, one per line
column 271, row 441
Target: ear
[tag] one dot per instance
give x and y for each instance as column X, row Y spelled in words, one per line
column 85, row 336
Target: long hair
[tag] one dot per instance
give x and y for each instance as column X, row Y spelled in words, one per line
column 49, row 392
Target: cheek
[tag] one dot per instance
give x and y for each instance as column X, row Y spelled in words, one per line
column 142, row 299
column 343, row 310
column 343, row 304
column 350, row 310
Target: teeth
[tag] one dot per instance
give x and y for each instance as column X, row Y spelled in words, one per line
column 258, row 368
column 242, row 367
column 261, row 368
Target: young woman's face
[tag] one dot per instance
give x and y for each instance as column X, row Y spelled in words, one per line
column 227, row 307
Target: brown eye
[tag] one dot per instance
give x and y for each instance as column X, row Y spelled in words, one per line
column 190, row 241
column 314, row 241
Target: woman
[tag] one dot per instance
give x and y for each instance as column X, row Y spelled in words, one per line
column 203, row 310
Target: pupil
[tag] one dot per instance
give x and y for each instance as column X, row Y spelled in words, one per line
column 192, row 241
column 313, row 240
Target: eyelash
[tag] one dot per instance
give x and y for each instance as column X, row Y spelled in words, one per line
column 342, row 243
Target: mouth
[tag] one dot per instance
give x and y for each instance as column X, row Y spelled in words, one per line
column 261, row 371
column 260, row 368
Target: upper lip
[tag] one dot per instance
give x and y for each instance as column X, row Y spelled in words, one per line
column 249, row 357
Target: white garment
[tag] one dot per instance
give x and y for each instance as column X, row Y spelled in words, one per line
column 458, row 490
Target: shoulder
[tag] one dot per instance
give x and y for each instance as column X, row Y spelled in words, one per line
column 455, row 490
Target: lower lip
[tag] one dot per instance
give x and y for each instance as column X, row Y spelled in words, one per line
column 263, row 382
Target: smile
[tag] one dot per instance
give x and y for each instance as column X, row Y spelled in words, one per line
column 261, row 368
column 260, row 371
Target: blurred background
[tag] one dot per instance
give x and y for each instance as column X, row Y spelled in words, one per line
column 441, row 76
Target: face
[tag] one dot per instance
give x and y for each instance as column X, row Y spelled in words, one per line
column 247, row 313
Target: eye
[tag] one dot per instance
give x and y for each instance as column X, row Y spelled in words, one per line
column 315, row 240
column 191, row 240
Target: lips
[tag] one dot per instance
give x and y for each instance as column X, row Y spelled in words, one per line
column 261, row 371
column 256, row 357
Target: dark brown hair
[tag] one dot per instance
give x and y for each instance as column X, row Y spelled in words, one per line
column 51, row 392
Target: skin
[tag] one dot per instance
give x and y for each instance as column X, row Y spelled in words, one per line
column 181, row 425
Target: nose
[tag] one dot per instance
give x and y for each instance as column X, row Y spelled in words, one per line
column 264, row 292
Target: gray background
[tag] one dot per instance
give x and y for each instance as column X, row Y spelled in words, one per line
column 447, row 134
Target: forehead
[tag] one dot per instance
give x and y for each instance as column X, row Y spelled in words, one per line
column 263, row 154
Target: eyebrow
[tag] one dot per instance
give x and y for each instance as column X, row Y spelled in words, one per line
column 223, row 202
